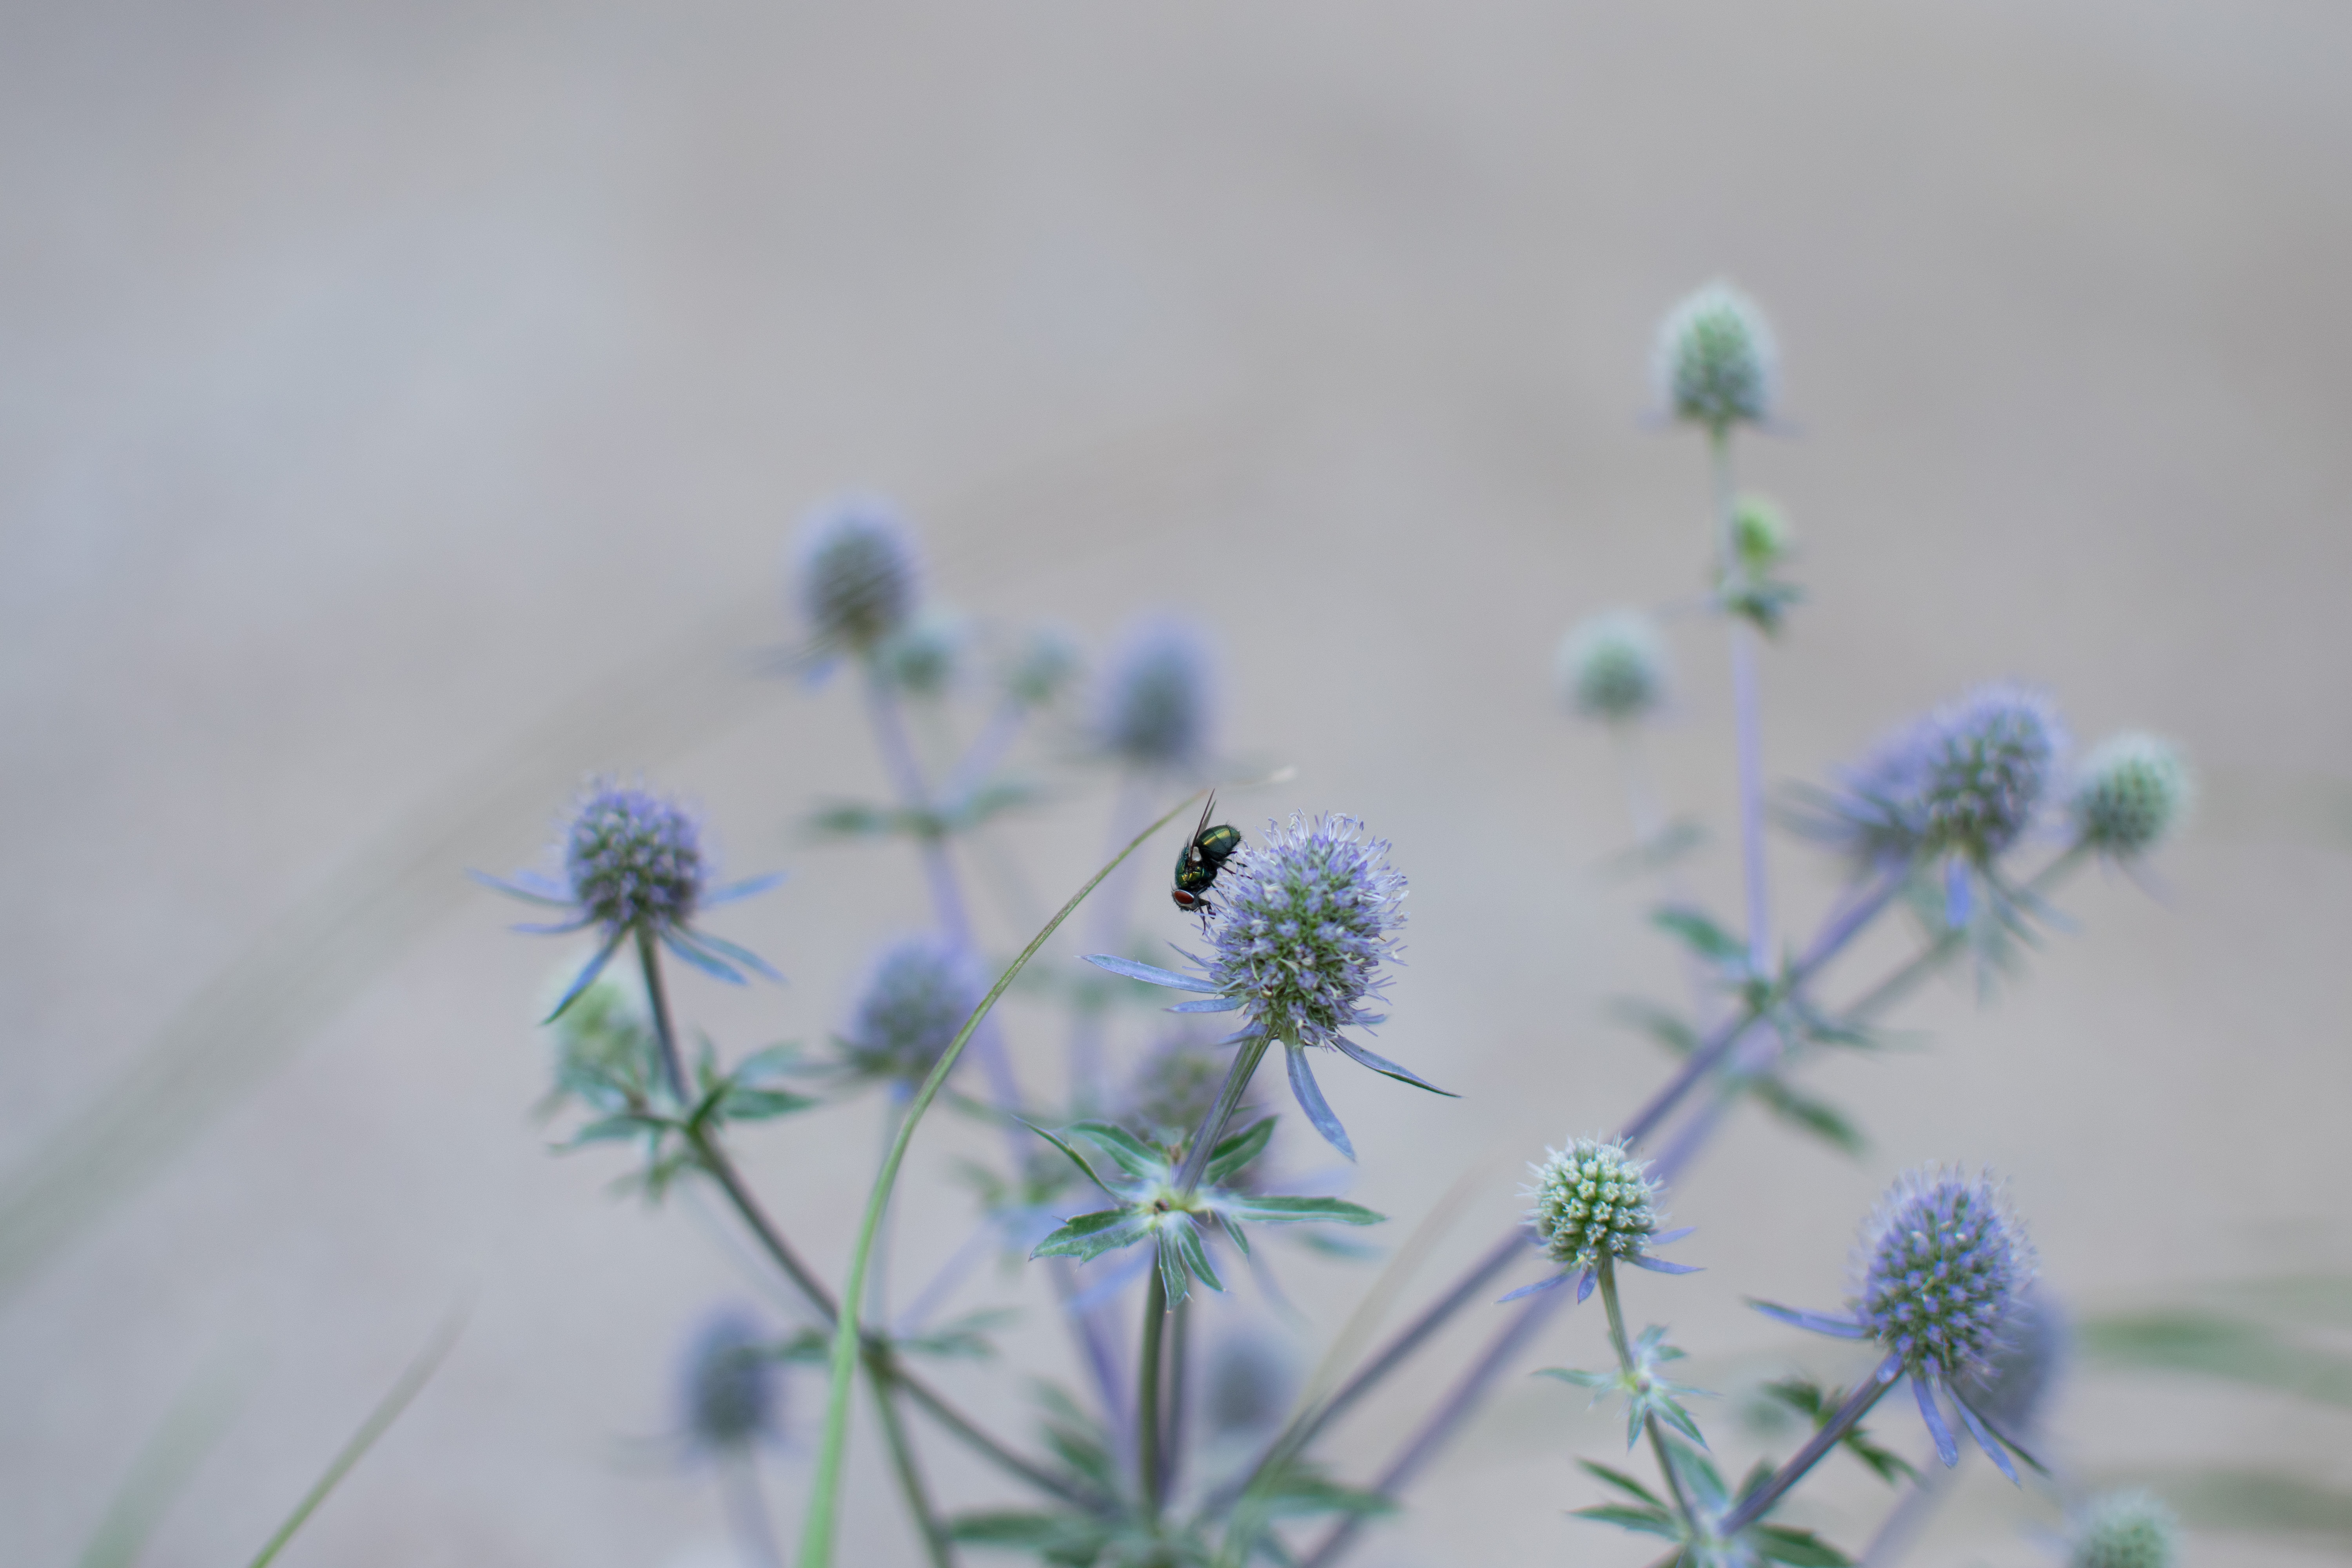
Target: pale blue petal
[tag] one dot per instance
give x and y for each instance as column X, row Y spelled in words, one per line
column 1210, row 1004
column 1357, row 1053
column 587, row 977
column 1946, row 1449
column 1843, row 1328
column 1310, row 1100
column 1531, row 1289
column 1150, row 975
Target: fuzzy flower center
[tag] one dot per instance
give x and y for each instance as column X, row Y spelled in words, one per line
column 1307, row 920
column 1945, row 1274
column 1593, row 1202
column 1987, row 779
column 634, row 856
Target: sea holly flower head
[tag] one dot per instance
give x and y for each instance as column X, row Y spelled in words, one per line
column 1716, row 363
column 2126, row 1530
column 1304, row 927
column 1041, row 668
column 855, row 573
column 2132, row 792
column 633, row 862
column 1595, row 1207
column 919, row 993
column 2014, row 1387
column 1153, row 1205
column 727, row 1384
column 1613, row 667
column 1155, row 701
column 1943, row 1277
column 920, row 658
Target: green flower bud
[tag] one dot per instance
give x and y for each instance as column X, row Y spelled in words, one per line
column 1759, row 532
column 1716, row 363
column 1593, row 1202
column 2126, row 1530
column 2132, row 792
column 1613, row 667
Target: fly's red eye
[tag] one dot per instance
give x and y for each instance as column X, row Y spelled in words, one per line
column 1184, row 900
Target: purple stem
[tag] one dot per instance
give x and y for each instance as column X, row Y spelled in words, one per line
column 1857, row 1406
column 1748, row 718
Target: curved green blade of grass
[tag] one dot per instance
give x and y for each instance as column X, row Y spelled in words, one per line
column 161, row 1468
column 410, row 1382
column 824, row 1490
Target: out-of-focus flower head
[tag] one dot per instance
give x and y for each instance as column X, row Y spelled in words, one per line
column 1155, row 703
column 1716, row 363
column 1042, row 667
column 856, row 574
column 2132, row 793
column 919, row 993
column 2126, row 1530
column 1613, row 667
column 727, row 1383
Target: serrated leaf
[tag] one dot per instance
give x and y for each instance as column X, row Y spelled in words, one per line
column 1818, row 1117
column 1600, row 1380
column 1798, row 1548
column 1186, row 1237
column 1697, row 930
column 1622, row 1481
column 626, row 1125
column 737, row 1103
column 1132, row 1155
column 1238, row 1150
column 1090, row 1235
column 1074, row 1156
column 1640, row 1520
column 1273, row 1210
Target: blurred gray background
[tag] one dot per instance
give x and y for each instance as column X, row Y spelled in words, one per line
column 406, row 409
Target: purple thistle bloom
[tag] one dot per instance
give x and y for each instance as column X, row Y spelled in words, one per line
column 633, row 861
column 727, row 1383
column 1155, row 699
column 920, row 994
column 1302, row 927
column 1943, row 1277
column 856, row 572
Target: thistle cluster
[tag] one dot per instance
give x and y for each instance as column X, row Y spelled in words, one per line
column 1967, row 780
column 1154, row 705
column 1593, row 1205
column 1944, row 1270
column 918, row 997
column 1716, row 363
column 727, row 1384
column 1306, row 921
column 632, row 856
column 2132, row 792
column 2126, row 1530
column 1613, row 667
column 855, row 573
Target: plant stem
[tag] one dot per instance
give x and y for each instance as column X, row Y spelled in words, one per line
column 1172, row 1457
column 821, row 1524
column 1213, row 1126
column 657, row 999
column 910, row 1478
column 747, row 1512
column 1857, row 1405
column 1148, row 1479
column 1746, row 714
column 1606, row 1275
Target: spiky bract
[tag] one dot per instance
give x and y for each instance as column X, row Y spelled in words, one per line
column 2132, row 792
column 728, row 1383
column 632, row 856
column 1592, row 1201
column 1716, row 363
column 858, row 573
column 1613, row 667
column 1943, row 1268
column 1155, row 696
column 1306, row 921
column 920, row 994
column 2126, row 1530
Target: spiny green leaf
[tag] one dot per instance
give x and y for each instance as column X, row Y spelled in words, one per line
column 1640, row 1520
column 1134, row 1157
column 1622, row 1481
column 1798, row 1548
column 1239, row 1150
column 1270, row 1210
column 1092, row 1235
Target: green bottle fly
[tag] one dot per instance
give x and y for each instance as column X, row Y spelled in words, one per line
column 1204, row 858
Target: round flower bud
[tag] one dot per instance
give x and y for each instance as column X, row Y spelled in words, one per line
column 1945, row 1267
column 1155, row 701
column 1304, row 923
column 1046, row 664
column 920, row 658
column 1715, row 363
column 920, row 994
column 729, row 1384
column 1252, row 1380
column 2126, row 1530
column 1613, row 667
column 857, row 572
column 1592, row 1201
column 2133, row 790
column 1759, row 532
column 1988, row 770
column 632, row 856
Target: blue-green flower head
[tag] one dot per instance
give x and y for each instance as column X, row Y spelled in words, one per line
column 1967, row 780
column 1594, row 1204
column 1155, row 701
column 1041, row 668
column 2132, row 791
column 1759, row 532
column 2126, row 1530
column 856, row 572
column 1716, row 363
column 918, row 994
column 1308, row 920
column 1613, row 667
column 920, row 658
column 728, row 1383
column 632, row 856
column 1945, row 1268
